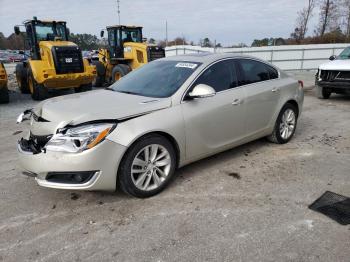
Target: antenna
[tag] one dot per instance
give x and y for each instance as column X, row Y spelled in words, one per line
column 166, row 33
column 118, row 11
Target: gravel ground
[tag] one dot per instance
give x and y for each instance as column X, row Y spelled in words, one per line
column 246, row 204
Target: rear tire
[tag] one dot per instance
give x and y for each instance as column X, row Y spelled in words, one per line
column 83, row 88
column 129, row 181
column 4, row 95
column 285, row 126
column 22, row 77
column 100, row 74
column 39, row 91
column 322, row 93
column 119, row 71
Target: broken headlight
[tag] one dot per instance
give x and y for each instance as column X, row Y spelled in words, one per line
column 78, row 139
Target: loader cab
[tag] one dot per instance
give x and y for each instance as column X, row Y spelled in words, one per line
column 118, row 35
column 37, row 31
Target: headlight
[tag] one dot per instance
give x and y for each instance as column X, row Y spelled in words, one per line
column 78, row 139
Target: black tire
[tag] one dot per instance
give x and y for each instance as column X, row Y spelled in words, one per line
column 120, row 69
column 125, row 181
column 83, row 88
column 322, row 93
column 100, row 74
column 4, row 95
column 40, row 92
column 21, row 76
column 276, row 137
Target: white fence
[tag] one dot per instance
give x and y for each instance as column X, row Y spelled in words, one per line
column 291, row 57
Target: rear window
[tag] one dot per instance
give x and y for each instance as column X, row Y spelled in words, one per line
column 253, row 71
column 273, row 73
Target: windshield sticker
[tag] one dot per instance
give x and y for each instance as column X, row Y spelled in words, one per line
column 187, row 65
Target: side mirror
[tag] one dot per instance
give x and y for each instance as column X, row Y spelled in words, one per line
column 333, row 57
column 17, row 31
column 102, row 33
column 202, row 91
column 68, row 32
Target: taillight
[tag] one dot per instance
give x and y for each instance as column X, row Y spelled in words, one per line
column 301, row 83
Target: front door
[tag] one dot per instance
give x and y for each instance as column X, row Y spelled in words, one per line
column 215, row 122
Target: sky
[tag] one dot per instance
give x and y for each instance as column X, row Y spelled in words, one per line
column 226, row 21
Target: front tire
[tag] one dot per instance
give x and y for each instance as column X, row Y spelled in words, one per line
column 21, row 76
column 39, row 91
column 285, row 125
column 100, row 74
column 322, row 93
column 4, row 95
column 147, row 167
column 119, row 71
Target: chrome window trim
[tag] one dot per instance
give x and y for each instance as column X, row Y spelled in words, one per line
column 230, row 89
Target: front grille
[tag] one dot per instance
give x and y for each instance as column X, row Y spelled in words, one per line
column 40, row 141
column 333, row 75
column 68, row 59
column 155, row 52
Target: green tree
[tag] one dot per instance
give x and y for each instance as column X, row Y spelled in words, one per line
column 206, row 42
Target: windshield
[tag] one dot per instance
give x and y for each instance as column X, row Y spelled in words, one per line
column 156, row 79
column 345, row 54
column 131, row 35
column 48, row 32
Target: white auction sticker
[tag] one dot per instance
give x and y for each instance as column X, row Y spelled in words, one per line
column 187, row 65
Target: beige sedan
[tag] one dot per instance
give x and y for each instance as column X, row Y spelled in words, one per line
column 167, row 114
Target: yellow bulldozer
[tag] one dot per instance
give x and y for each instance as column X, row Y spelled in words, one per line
column 54, row 62
column 126, row 50
column 4, row 93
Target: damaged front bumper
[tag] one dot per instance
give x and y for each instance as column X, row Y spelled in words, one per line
column 94, row 169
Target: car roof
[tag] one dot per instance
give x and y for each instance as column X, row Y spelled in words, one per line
column 207, row 57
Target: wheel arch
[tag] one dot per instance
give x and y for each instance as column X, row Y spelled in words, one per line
column 294, row 103
column 167, row 136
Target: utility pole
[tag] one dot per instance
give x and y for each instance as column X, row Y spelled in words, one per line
column 118, row 11
column 166, row 33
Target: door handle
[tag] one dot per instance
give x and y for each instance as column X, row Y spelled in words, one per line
column 275, row 89
column 237, row 102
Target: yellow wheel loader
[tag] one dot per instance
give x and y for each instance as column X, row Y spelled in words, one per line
column 126, row 50
column 54, row 61
column 4, row 93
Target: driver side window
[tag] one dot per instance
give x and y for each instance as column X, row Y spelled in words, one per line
column 220, row 76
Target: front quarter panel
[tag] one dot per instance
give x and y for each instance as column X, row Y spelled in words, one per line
column 169, row 121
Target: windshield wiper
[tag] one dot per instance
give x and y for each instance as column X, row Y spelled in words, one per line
column 129, row 93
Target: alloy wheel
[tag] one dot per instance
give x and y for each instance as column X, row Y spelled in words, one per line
column 287, row 124
column 150, row 167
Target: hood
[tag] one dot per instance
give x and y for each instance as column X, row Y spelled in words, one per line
column 341, row 65
column 97, row 105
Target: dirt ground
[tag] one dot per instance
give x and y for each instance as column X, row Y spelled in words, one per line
column 246, row 204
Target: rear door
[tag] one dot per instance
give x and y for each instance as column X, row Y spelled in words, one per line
column 215, row 122
column 260, row 82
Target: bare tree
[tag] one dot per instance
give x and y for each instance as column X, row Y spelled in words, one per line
column 329, row 16
column 346, row 15
column 303, row 19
